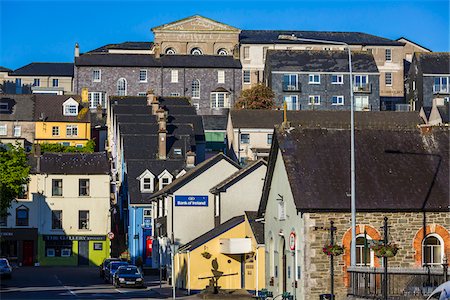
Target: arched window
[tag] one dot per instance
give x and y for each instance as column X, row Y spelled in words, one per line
column 122, row 87
column 195, row 88
column 432, row 250
column 222, row 51
column 196, row 51
column 364, row 256
column 271, row 258
column 170, row 51
column 22, row 216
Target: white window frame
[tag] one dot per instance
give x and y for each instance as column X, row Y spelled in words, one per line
column 222, row 52
column 164, row 175
column 247, row 140
column 196, row 93
column 170, row 51
column 290, row 104
column 314, row 102
column 340, row 100
column 119, row 90
column 71, row 130
column 371, row 252
column 70, row 107
column 142, row 94
column 17, row 131
column 66, row 252
column 216, row 205
column 214, row 97
column 36, row 82
column 196, row 51
column 291, row 86
column 196, row 105
column 246, row 52
column 174, row 76
column 220, row 76
column 386, row 78
column 101, row 99
column 441, row 241
column 312, row 78
column 442, row 88
column 244, row 76
column 174, row 94
column 141, row 79
column 3, row 129
column 339, row 77
column 271, row 138
column 57, row 82
column 97, row 78
column 50, row 252
column 388, row 54
column 146, row 175
column 4, row 107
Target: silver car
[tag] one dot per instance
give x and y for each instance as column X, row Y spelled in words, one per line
column 5, row 268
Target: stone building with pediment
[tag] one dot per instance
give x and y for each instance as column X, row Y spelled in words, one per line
column 196, row 35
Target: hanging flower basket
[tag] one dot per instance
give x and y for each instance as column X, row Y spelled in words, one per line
column 334, row 250
column 206, row 255
column 381, row 250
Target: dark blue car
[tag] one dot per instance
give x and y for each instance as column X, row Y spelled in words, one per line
column 128, row 276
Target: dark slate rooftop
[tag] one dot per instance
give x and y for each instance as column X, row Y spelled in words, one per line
column 213, row 233
column 165, row 61
column 50, row 107
column 258, row 118
column 45, row 69
column 434, row 62
column 124, row 46
column 3, row 69
column 215, row 122
column 351, row 38
column 238, row 175
column 193, row 173
column 20, row 107
column 319, row 61
column 444, row 111
column 135, row 167
column 73, row 163
column 396, row 170
column 257, row 227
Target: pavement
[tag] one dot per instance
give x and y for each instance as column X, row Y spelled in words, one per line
column 76, row 282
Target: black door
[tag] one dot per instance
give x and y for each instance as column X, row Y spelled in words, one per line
column 83, row 253
column 284, row 268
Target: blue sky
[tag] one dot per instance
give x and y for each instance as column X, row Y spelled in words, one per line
column 46, row 31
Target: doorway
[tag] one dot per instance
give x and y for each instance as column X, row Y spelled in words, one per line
column 282, row 286
column 28, row 253
column 83, row 253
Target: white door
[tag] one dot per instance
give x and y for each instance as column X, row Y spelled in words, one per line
column 361, row 103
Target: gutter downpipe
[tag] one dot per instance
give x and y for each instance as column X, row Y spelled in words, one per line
column 189, row 272
column 257, row 272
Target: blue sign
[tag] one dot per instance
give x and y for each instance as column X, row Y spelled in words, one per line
column 191, row 200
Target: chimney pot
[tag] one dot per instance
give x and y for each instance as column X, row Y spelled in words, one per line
column 77, row 50
column 162, row 136
column 190, row 159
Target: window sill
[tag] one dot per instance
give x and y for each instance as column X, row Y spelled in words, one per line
column 337, row 83
column 143, row 81
column 313, row 82
column 84, row 230
column 96, row 81
column 84, row 196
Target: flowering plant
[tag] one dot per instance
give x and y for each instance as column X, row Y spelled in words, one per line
column 382, row 250
column 334, row 250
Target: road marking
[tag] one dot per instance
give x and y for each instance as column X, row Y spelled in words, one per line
column 69, row 290
column 117, row 290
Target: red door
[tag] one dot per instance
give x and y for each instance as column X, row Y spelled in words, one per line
column 28, row 253
column 148, row 247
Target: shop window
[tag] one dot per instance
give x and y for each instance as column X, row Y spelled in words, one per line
column 8, row 248
column 56, row 187
column 58, row 248
column 84, row 187
column 98, row 246
column 22, row 216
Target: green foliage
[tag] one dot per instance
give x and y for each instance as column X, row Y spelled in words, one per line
column 14, row 172
column 257, row 97
column 88, row 148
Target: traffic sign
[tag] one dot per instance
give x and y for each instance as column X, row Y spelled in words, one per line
column 292, row 241
column 110, row 235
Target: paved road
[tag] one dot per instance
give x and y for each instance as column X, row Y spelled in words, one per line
column 67, row 283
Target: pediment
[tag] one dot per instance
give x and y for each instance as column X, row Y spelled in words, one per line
column 196, row 23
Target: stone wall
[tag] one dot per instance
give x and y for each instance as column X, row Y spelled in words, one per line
column 406, row 230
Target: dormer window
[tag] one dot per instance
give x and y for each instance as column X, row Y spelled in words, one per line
column 146, row 182
column 165, row 178
column 70, row 107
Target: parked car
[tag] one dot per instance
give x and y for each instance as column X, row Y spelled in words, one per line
column 112, row 268
column 5, row 268
column 442, row 292
column 105, row 264
column 128, row 276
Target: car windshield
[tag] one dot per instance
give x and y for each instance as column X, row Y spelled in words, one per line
column 115, row 266
column 128, row 271
column 3, row 263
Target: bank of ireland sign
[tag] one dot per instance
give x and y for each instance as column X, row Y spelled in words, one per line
column 191, row 200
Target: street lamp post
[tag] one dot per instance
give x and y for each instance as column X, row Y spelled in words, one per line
column 352, row 135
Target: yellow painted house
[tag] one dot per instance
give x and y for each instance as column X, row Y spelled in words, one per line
column 62, row 119
column 233, row 251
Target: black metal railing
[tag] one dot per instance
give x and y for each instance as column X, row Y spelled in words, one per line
column 291, row 87
column 402, row 284
column 362, row 88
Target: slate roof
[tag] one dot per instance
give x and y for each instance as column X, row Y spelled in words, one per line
column 21, row 107
column 408, row 40
column 213, row 233
column 50, row 107
column 351, row 38
column 165, row 61
column 319, row 61
column 396, row 170
column 266, row 119
column 238, row 175
column 193, row 173
column 74, row 163
column 444, row 112
column 45, row 69
column 124, row 46
column 3, row 69
column 434, row 62
column 215, row 122
column 257, row 227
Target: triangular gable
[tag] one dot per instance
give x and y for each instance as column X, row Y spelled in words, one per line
column 196, row 23
column 165, row 173
column 71, row 101
column 146, row 173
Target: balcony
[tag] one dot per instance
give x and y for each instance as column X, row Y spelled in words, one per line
column 367, row 283
column 441, row 89
column 235, row 246
column 291, row 87
column 363, row 88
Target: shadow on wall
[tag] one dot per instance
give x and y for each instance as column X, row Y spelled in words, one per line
column 10, row 87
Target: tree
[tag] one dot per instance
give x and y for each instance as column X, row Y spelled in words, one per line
column 14, row 172
column 257, row 97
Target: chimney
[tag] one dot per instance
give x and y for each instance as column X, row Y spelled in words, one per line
column 161, row 117
column 438, row 101
column 425, row 129
column 286, row 124
column 77, row 50
column 157, row 51
column 162, row 133
column 190, row 159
